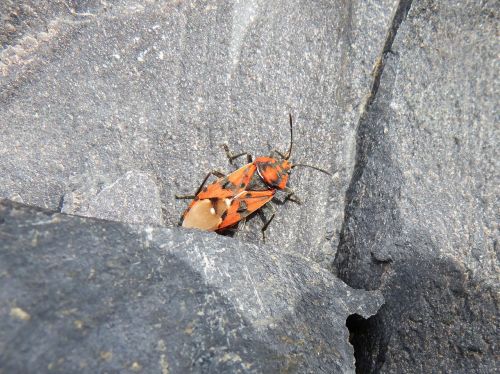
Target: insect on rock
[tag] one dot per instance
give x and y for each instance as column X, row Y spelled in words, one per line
column 230, row 199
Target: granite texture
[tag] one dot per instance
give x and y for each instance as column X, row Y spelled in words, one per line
column 132, row 198
column 110, row 108
column 103, row 89
column 422, row 212
column 86, row 295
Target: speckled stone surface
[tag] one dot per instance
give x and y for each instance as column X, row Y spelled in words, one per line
column 84, row 295
column 110, row 108
column 96, row 90
column 422, row 214
column 132, row 198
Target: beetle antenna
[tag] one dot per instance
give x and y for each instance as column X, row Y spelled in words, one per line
column 312, row 167
column 288, row 154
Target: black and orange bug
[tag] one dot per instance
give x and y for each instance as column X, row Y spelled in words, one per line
column 230, row 199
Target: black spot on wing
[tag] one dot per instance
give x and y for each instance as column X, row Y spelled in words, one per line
column 228, row 185
column 242, row 207
column 257, row 184
column 214, row 201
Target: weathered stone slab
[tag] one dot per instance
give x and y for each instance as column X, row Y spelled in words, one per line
column 107, row 88
column 86, row 295
column 422, row 212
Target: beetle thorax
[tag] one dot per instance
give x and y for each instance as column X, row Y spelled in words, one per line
column 273, row 172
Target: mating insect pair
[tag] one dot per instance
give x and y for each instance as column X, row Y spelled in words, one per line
column 232, row 198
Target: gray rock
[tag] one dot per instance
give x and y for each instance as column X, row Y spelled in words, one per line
column 132, row 198
column 94, row 91
column 86, row 295
column 422, row 206
column 105, row 88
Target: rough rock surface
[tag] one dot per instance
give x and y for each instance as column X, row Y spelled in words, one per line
column 85, row 295
column 92, row 90
column 109, row 108
column 422, row 210
column 132, row 198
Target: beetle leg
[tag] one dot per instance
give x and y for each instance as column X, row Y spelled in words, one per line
column 293, row 199
column 291, row 196
column 232, row 157
column 186, row 197
column 278, row 152
column 267, row 223
column 215, row 173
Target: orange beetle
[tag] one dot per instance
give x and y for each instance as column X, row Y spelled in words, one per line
column 232, row 198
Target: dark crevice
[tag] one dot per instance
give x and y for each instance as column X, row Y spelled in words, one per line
column 368, row 337
column 400, row 14
column 365, row 136
column 362, row 145
column 358, row 329
column 369, row 356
